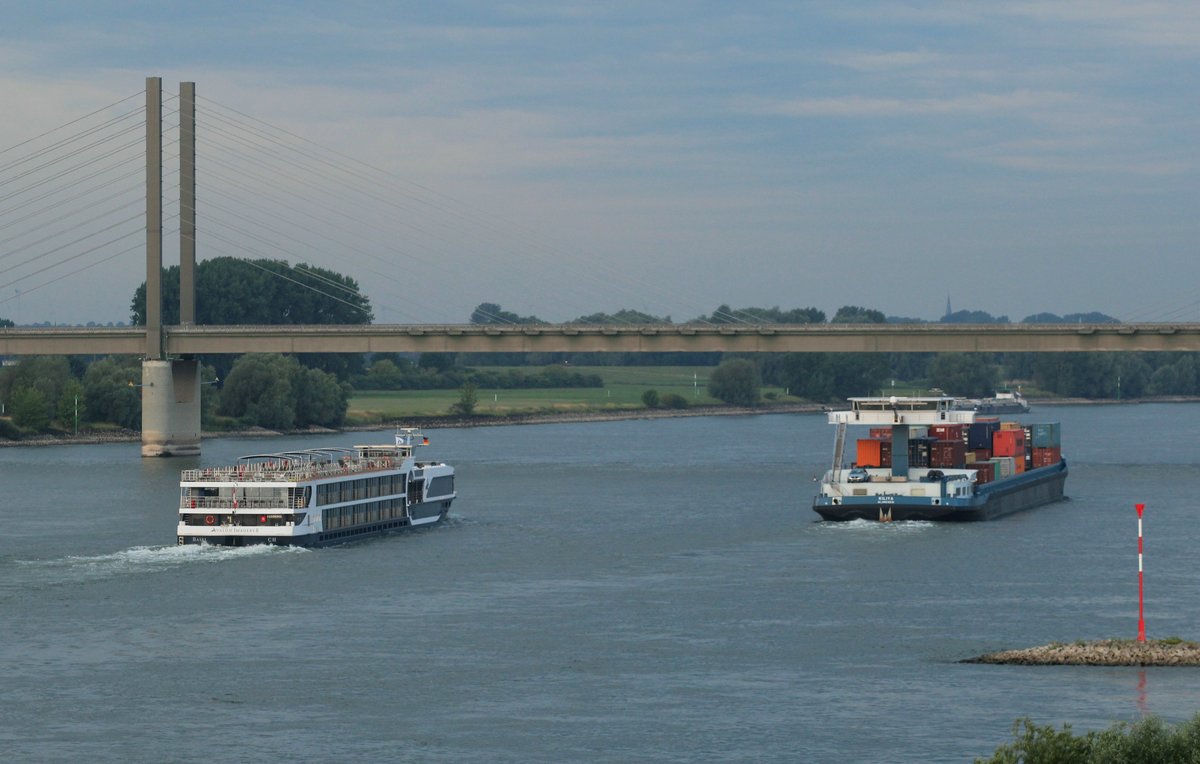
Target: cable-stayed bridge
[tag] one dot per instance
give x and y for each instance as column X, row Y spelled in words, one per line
column 93, row 204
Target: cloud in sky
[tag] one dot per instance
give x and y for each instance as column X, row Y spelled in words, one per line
column 566, row 158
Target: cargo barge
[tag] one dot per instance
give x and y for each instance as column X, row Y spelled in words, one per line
column 1003, row 402
column 926, row 459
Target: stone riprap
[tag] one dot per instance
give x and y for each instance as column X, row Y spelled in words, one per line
column 1105, row 652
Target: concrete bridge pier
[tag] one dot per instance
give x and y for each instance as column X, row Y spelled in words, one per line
column 171, row 408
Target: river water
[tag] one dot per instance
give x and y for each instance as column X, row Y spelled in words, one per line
column 619, row 591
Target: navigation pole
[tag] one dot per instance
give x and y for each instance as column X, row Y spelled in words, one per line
column 170, row 387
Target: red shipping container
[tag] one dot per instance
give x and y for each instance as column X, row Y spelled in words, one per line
column 1046, row 456
column 948, row 453
column 882, row 433
column 1009, row 443
column 948, row 432
column 982, row 454
column 985, row 472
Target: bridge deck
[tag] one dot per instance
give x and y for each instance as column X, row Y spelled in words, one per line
column 477, row 338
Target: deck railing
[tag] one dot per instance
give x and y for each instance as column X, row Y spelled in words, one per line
column 293, row 473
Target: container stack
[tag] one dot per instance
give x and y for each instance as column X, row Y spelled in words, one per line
column 994, row 449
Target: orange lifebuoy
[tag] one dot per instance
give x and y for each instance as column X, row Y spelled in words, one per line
column 209, row 519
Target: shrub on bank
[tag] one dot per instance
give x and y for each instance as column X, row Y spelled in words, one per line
column 1150, row 740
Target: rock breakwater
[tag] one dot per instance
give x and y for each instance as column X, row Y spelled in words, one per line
column 1104, row 652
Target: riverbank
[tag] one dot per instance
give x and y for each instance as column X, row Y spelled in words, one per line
column 1105, row 652
column 444, row 422
column 438, row 422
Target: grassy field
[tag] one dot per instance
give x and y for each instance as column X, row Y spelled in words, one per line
column 623, row 388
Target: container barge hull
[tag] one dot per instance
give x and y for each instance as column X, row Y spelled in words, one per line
column 1033, row 489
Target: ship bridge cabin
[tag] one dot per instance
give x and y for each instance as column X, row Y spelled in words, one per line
column 902, row 410
column 907, row 417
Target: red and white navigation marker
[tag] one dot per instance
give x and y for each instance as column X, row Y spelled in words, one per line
column 1141, row 616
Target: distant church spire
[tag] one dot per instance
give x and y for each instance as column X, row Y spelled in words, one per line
column 948, row 311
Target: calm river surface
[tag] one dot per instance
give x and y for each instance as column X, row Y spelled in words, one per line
column 613, row 592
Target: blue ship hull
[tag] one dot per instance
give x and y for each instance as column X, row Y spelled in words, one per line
column 1027, row 490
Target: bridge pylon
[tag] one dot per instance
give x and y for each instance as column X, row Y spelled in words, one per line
column 170, row 386
column 171, row 407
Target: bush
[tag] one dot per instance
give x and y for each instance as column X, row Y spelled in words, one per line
column 736, row 382
column 468, row 398
column 1149, row 740
column 9, row 430
column 674, row 401
column 29, row 409
column 650, row 399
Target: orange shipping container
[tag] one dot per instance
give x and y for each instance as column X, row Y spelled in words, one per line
column 869, row 452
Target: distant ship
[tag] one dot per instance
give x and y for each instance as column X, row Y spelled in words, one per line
column 1003, row 402
column 927, row 460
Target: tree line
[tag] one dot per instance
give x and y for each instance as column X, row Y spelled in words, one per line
column 54, row 393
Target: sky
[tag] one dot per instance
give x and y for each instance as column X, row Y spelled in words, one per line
column 566, row 158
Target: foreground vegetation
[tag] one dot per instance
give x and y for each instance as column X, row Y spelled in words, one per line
column 1149, row 741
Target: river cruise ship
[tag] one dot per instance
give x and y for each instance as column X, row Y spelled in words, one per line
column 315, row 497
column 927, row 459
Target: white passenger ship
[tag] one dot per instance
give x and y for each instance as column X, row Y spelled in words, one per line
column 315, row 497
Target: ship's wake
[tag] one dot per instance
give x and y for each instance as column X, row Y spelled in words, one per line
column 875, row 527
column 74, row 569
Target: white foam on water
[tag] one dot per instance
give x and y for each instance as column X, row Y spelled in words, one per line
column 142, row 559
column 877, row 528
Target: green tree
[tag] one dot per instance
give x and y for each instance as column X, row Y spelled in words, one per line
column 320, row 398
column 275, row 391
column 853, row 314
column 624, row 316
column 210, row 394
column 737, row 382
column 439, row 362
column 966, row 375
column 46, row 374
column 232, row 290
column 492, row 313
column 650, row 399
column 72, row 405
column 29, row 409
column 110, row 394
column 468, row 398
column 727, row 315
column 5, row 323
column 258, row 391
